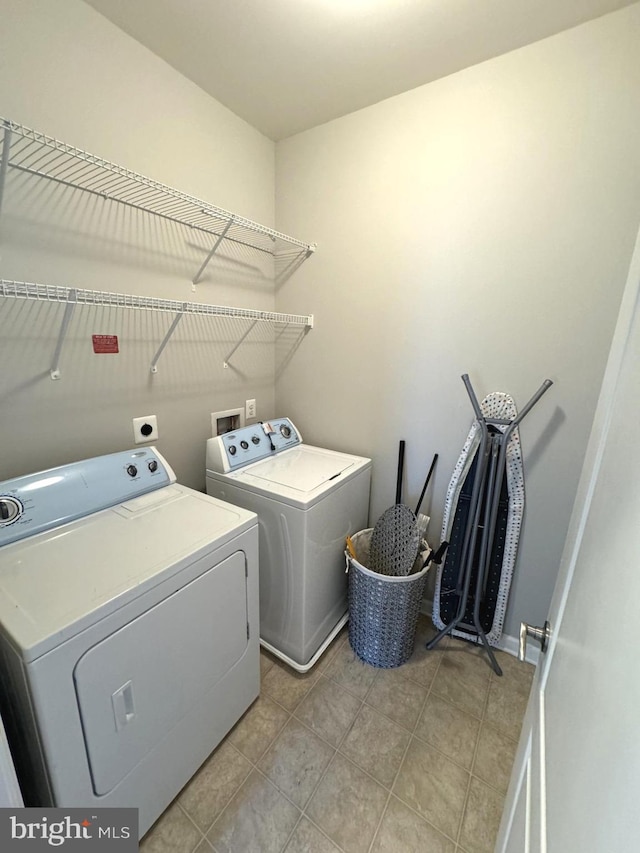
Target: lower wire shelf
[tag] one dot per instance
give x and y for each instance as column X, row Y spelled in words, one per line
column 72, row 297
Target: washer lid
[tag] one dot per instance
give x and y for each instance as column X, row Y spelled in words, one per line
column 57, row 583
column 302, row 469
column 301, row 475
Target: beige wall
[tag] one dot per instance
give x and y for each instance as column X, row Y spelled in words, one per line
column 483, row 224
column 67, row 71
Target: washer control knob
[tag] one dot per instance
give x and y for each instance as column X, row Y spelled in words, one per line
column 153, row 465
column 132, row 471
column 232, row 450
column 244, row 444
column 255, row 439
column 285, row 431
column 10, row 510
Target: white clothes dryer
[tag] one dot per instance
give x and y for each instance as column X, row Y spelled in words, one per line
column 128, row 630
column 308, row 500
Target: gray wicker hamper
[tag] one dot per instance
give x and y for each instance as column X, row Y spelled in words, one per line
column 383, row 610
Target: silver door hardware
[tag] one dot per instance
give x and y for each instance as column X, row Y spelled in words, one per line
column 540, row 634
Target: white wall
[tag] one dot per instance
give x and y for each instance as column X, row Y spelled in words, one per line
column 483, row 223
column 66, row 71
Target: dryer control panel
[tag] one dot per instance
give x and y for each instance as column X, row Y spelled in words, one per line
column 37, row 502
column 234, row 450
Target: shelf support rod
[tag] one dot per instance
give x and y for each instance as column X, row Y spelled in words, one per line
column 167, row 337
column 198, row 275
column 241, row 341
column 70, row 307
column 6, row 145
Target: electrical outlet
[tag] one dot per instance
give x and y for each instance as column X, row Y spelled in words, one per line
column 145, row 429
column 250, row 409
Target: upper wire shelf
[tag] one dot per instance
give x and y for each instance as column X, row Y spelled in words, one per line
column 30, row 152
column 37, row 154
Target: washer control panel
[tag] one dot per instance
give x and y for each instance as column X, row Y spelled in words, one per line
column 234, row 450
column 37, row 502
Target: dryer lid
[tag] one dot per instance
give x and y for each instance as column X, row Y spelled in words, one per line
column 57, row 583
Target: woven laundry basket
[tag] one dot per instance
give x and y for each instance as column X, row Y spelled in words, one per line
column 383, row 610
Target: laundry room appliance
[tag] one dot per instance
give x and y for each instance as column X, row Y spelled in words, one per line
column 10, row 794
column 308, row 500
column 128, row 630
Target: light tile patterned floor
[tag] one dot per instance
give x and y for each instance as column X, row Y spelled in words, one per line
column 360, row 760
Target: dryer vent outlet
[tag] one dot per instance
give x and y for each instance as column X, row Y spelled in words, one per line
column 145, row 429
column 227, row 421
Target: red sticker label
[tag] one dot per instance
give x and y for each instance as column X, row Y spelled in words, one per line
column 105, row 343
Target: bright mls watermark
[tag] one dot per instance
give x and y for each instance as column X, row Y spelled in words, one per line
column 106, row 830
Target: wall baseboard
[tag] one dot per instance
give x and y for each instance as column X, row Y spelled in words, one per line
column 506, row 644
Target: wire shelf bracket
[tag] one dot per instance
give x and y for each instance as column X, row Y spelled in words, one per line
column 6, row 146
column 72, row 301
column 240, row 342
column 198, row 275
column 167, row 338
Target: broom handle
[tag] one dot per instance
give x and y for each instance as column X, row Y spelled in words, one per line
column 399, row 478
column 426, row 483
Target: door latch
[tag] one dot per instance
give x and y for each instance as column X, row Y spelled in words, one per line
column 540, row 634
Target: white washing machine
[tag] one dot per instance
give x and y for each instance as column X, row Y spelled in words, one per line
column 308, row 500
column 128, row 630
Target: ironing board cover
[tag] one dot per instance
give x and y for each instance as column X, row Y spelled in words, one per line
column 495, row 405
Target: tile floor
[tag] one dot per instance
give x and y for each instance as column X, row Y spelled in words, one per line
column 356, row 759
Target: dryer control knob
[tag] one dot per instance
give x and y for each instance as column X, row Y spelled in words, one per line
column 285, row 431
column 132, row 471
column 10, row 510
column 255, row 439
column 244, row 444
column 232, row 450
column 153, row 465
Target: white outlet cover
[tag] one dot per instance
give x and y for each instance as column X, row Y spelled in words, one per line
column 146, row 421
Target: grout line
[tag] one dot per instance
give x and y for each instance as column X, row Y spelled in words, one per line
column 302, row 809
column 313, row 793
column 271, row 742
column 473, row 762
column 192, row 821
column 269, row 782
column 422, row 818
column 404, row 755
column 291, row 834
column 323, row 833
column 380, row 819
column 253, row 767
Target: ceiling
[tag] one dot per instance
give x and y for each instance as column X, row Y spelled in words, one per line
column 287, row 65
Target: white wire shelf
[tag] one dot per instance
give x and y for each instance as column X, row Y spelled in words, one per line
column 34, row 153
column 72, row 297
column 54, row 293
